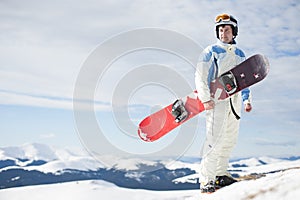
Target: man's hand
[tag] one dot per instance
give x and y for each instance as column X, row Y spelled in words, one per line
column 248, row 107
column 209, row 105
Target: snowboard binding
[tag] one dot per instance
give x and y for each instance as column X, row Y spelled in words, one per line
column 178, row 111
column 228, row 82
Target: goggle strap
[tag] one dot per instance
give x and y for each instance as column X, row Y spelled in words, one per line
column 226, row 22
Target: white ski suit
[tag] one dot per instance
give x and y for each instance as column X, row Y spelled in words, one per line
column 221, row 125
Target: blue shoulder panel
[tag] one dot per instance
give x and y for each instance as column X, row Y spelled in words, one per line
column 218, row 49
column 239, row 53
column 207, row 56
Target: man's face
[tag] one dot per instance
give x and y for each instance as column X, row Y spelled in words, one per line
column 225, row 34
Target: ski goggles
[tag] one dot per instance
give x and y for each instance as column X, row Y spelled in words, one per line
column 223, row 17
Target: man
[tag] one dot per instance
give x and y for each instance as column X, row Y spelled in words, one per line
column 222, row 125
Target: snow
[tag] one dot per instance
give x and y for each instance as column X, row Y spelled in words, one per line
column 173, row 164
column 131, row 163
column 88, row 190
column 79, row 163
column 256, row 161
column 255, row 167
column 272, row 167
column 57, row 158
column 281, row 178
column 33, row 151
column 282, row 185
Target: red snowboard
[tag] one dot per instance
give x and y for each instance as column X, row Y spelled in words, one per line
column 249, row 72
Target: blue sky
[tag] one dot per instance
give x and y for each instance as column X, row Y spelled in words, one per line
column 44, row 46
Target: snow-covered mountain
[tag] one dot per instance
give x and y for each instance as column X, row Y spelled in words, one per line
column 34, row 165
column 45, row 158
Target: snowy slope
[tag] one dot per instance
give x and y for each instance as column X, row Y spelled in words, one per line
column 92, row 190
column 282, row 185
column 28, row 164
column 246, row 167
column 269, row 165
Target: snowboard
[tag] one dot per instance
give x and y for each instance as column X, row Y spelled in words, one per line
column 247, row 73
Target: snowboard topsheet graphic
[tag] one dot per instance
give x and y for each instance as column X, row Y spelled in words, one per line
column 247, row 73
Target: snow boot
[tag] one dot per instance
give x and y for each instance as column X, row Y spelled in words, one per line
column 222, row 181
column 208, row 187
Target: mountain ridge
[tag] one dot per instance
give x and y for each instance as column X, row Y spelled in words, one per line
column 34, row 164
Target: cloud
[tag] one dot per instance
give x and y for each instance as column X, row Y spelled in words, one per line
column 45, row 44
column 47, row 135
column 269, row 142
column 16, row 98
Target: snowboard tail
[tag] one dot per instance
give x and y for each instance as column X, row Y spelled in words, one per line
column 161, row 122
column 247, row 73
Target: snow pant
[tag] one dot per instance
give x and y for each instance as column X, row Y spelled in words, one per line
column 222, row 129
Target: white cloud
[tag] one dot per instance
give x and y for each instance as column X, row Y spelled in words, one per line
column 45, row 44
column 47, row 135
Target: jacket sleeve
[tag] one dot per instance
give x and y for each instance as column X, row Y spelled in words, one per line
column 204, row 74
column 246, row 95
